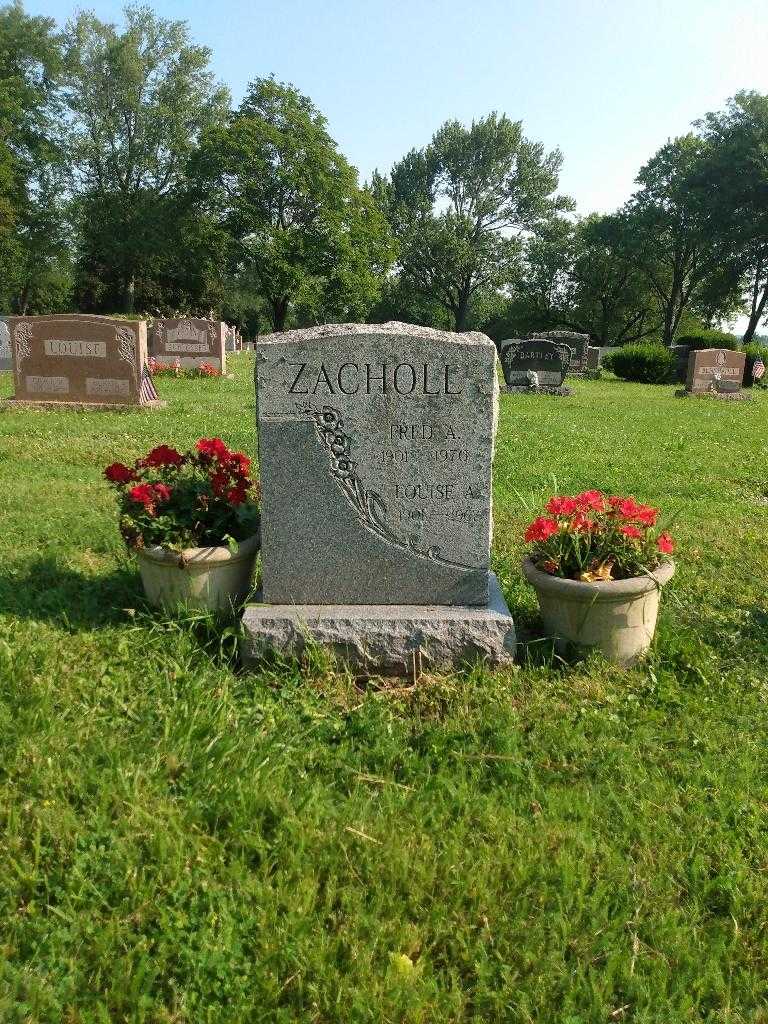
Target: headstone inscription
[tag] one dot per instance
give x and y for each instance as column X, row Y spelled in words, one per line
column 80, row 359
column 6, row 362
column 534, row 365
column 578, row 344
column 375, row 452
column 191, row 341
column 716, row 373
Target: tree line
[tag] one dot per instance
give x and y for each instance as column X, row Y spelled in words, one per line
column 129, row 182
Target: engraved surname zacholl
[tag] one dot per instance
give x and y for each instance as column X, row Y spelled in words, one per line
column 367, row 435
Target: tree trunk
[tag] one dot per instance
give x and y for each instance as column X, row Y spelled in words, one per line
column 129, row 294
column 460, row 312
column 280, row 313
column 24, row 298
column 758, row 309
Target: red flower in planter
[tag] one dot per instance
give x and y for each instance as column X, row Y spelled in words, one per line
column 631, row 531
column 162, row 492
column 665, row 544
column 647, row 516
column 117, row 473
column 201, row 498
column 239, row 463
column 163, row 456
column 591, row 500
column 143, row 494
column 237, row 495
column 592, row 538
column 562, row 506
column 213, row 448
column 540, row 529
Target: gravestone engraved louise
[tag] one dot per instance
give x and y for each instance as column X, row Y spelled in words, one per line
column 79, row 359
column 535, row 365
column 375, row 452
column 190, row 341
column 716, row 373
column 6, row 362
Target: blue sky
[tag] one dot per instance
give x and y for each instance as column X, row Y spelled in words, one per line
column 606, row 82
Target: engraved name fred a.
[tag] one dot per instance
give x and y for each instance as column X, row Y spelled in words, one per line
column 374, row 379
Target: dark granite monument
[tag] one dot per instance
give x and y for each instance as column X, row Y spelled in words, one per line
column 535, row 366
column 577, row 343
column 375, row 452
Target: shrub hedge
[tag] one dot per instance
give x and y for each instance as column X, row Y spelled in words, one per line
column 644, row 363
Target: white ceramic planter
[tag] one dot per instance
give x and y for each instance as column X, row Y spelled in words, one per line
column 214, row 579
column 618, row 617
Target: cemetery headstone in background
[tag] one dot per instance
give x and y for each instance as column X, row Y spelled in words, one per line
column 6, row 362
column 715, row 373
column 191, row 340
column 81, row 360
column 535, row 365
column 578, row 344
column 375, row 451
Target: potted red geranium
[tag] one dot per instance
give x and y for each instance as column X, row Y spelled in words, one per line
column 598, row 564
column 193, row 520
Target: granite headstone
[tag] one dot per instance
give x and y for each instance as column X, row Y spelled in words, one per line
column 191, row 341
column 79, row 359
column 534, row 365
column 715, row 371
column 375, row 453
column 578, row 344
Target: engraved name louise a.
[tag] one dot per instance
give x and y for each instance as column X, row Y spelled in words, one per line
column 375, row 379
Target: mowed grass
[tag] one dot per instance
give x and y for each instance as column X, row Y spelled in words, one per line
column 562, row 843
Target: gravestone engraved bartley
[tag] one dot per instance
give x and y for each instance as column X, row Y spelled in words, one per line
column 535, row 365
column 375, row 452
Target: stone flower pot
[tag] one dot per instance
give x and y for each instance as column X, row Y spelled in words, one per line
column 213, row 579
column 618, row 617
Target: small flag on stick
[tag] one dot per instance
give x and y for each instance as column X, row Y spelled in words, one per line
column 758, row 369
column 147, row 391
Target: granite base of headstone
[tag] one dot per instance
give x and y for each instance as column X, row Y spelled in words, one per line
column 82, row 362
column 715, row 373
column 535, row 366
column 375, row 453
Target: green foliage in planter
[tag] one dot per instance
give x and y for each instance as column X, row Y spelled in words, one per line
column 646, row 364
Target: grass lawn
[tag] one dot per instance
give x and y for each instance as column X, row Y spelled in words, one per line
column 563, row 843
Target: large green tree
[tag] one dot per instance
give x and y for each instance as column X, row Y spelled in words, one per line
column 305, row 237
column 459, row 206
column 735, row 182
column 685, row 260
column 33, row 192
column 139, row 98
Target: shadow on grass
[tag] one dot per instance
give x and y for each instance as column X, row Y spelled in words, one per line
column 76, row 601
